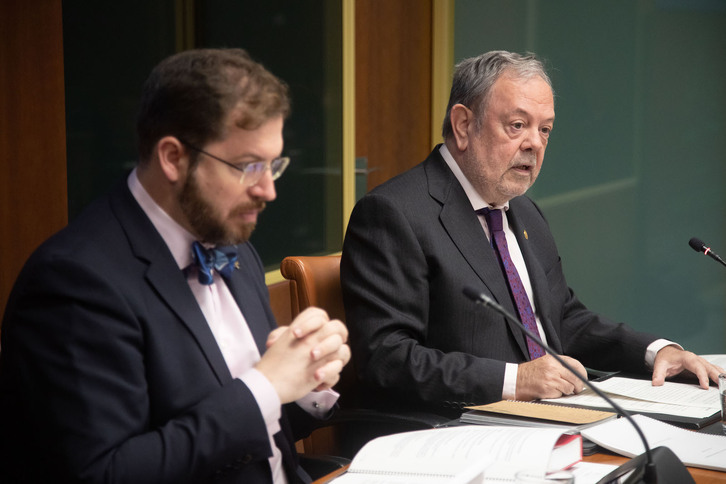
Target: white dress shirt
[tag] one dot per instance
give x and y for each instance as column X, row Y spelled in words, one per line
column 229, row 327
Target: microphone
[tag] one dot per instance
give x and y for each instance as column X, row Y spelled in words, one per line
column 659, row 465
column 698, row 245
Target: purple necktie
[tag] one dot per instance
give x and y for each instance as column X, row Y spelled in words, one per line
column 494, row 221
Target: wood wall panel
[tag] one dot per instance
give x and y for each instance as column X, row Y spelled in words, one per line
column 393, row 85
column 33, row 188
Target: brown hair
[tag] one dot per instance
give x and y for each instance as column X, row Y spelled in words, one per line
column 190, row 94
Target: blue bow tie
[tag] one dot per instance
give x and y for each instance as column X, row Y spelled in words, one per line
column 222, row 260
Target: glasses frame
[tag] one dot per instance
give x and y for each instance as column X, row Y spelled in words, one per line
column 251, row 172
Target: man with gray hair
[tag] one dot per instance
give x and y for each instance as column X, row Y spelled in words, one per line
column 460, row 219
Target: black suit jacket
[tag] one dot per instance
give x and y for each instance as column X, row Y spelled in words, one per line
column 411, row 246
column 110, row 373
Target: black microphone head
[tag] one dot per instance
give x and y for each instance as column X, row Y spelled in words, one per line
column 471, row 293
column 697, row 244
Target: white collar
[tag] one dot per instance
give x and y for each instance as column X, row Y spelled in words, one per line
column 477, row 202
column 177, row 238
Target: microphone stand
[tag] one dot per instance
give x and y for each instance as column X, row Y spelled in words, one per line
column 659, row 465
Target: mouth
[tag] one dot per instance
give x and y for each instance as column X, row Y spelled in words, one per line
column 250, row 212
column 523, row 168
column 524, row 163
column 247, row 217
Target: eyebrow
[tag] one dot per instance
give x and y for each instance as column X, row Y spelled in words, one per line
column 248, row 157
column 526, row 113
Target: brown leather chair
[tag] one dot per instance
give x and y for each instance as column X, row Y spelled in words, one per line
column 315, row 281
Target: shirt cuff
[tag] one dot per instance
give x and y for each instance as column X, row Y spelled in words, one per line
column 654, row 348
column 509, row 390
column 267, row 399
column 319, row 404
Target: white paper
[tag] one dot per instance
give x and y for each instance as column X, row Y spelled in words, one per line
column 672, row 393
column 692, row 448
column 588, row 398
column 423, row 452
column 718, row 360
column 640, row 396
column 454, row 454
column 584, row 473
column 352, row 478
column 591, row 472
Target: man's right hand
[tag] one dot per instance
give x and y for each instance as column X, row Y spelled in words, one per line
column 305, row 356
column 546, row 378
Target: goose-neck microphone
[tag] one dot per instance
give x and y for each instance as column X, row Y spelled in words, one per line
column 698, row 245
column 659, row 465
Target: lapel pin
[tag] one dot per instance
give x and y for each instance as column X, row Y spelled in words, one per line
column 236, row 264
column 525, row 235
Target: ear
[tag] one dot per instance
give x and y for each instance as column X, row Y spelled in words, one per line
column 462, row 118
column 173, row 158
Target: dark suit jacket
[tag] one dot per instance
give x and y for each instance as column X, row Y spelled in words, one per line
column 110, row 373
column 411, row 246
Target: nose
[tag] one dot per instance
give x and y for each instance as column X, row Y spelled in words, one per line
column 264, row 189
column 534, row 141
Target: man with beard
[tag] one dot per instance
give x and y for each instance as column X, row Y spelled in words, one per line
column 138, row 342
column 414, row 243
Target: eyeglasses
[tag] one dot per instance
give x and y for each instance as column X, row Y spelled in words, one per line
column 251, row 172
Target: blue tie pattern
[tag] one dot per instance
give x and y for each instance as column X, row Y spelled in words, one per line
column 222, row 259
column 524, row 308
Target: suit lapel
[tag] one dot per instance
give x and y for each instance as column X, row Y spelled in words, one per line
column 164, row 276
column 461, row 223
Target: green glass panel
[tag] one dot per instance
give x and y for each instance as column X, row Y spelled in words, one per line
column 110, row 49
column 636, row 164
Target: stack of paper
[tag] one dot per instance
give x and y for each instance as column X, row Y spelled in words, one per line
column 534, row 414
column 462, row 455
column 692, row 448
column 640, row 396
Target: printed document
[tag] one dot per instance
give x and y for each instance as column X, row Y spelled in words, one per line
column 640, row 396
column 692, row 448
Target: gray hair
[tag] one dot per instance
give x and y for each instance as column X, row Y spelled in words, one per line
column 475, row 76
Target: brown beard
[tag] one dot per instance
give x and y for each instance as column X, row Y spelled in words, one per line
column 204, row 220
